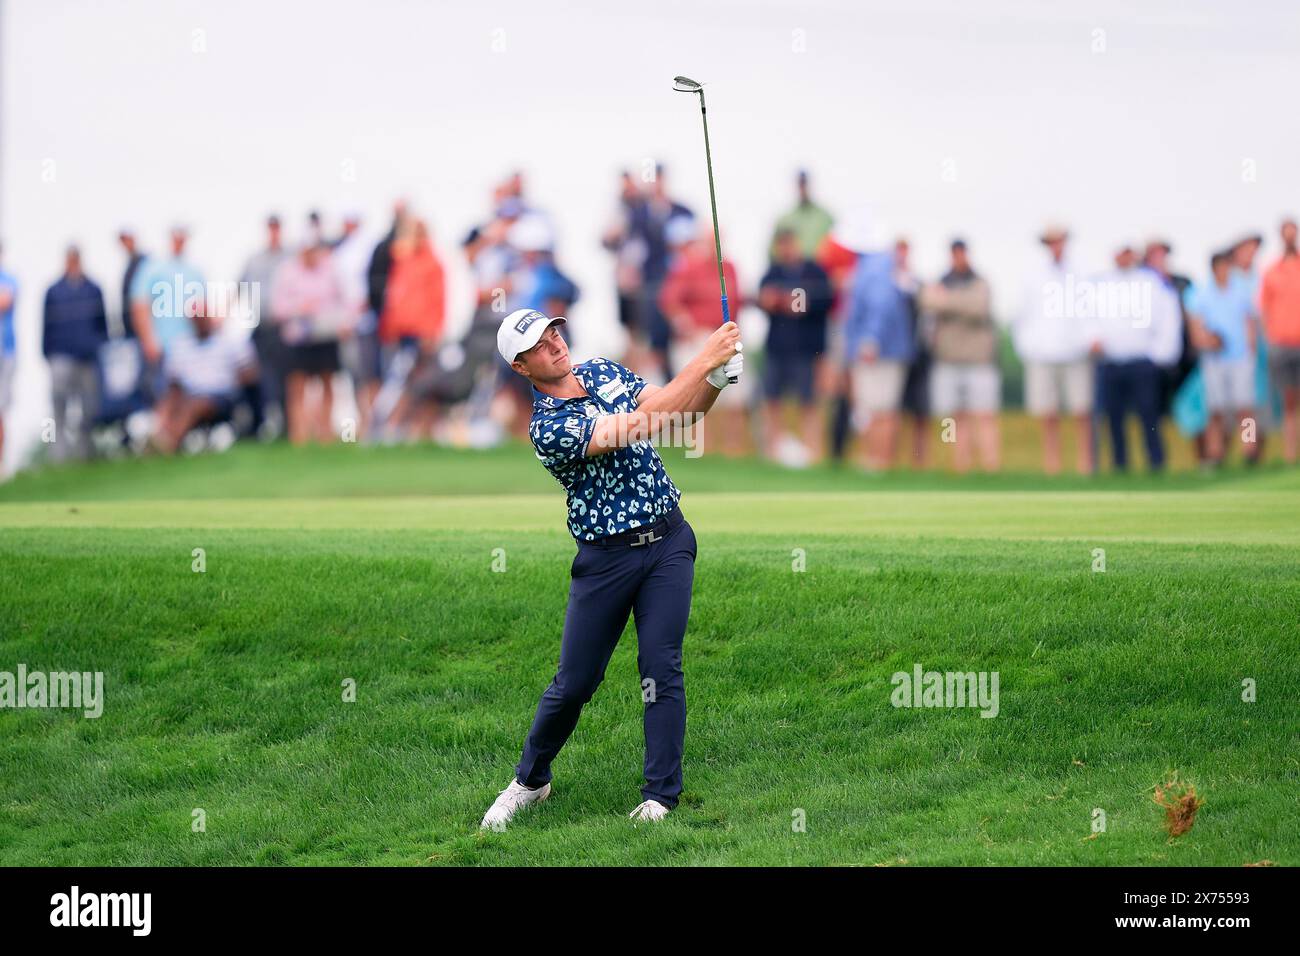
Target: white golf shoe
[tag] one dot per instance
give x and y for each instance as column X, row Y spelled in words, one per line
column 509, row 802
column 649, row 810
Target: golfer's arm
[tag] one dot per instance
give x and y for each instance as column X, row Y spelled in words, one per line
column 688, row 393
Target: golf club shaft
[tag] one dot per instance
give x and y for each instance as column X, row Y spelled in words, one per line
column 713, row 206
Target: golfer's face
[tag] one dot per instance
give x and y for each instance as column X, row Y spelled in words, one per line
column 549, row 358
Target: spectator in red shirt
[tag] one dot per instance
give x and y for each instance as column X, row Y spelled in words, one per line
column 1279, row 301
column 415, row 299
column 691, row 301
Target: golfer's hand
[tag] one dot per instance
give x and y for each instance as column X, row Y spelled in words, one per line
column 722, row 345
column 729, row 371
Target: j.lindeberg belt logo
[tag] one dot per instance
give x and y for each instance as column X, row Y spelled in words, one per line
column 645, row 537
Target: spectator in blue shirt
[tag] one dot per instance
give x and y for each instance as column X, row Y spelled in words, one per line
column 535, row 283
column 796, row 294
column 75, row 326
column 1222, row 317
column 161, row 289
column 880, row 344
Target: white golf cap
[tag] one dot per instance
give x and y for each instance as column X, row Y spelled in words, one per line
column 521, row 330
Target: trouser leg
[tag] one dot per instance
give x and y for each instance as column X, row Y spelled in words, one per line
column 1112, row 385
column 60, row 393
column 662, row 607
column 1147, row 398
column 88, row 398
column 600, row 599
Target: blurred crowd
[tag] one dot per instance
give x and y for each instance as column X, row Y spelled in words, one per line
column 862, row 358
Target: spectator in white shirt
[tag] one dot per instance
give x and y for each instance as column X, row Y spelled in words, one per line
column 1136, row 333
column 203, row 373
column 1053, row 346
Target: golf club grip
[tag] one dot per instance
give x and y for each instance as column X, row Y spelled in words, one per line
column 726, row 317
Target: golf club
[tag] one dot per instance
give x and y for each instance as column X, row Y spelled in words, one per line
column 684, row 84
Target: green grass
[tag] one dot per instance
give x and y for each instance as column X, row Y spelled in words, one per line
column 224, row 688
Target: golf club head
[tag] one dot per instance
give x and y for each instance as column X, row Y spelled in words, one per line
column 684, row 84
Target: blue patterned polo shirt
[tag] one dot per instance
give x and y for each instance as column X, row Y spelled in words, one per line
column 610, row 493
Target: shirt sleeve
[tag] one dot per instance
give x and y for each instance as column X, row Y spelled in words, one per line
column 561, row 438
column 142, row 282
column 634, row 382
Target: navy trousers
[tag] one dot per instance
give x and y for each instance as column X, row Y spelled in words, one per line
column 1124, row 387
column 609, row 581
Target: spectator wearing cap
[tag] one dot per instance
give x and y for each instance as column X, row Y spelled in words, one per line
column 1223, row 324
column 965, row 383
column 1052, row 343
column 690, row 299
column 75, row 326
column 8, row 350
column 272, row 359
column 796, row 294
column 308, row 302
column 536, row 283
column 1279, row 303
column 203, row 375
column 1136, row 335
column 162, row 290
column 880, row 345
column 808, row 221
column 648, row 223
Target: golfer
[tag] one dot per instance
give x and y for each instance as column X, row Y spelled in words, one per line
column 636, row 553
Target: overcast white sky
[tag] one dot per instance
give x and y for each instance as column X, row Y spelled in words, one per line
column 215, row 113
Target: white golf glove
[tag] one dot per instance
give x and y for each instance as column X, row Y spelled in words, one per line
column 720, row 376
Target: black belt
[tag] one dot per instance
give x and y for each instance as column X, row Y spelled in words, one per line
column 639, row 537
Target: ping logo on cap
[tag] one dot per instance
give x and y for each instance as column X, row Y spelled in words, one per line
column 522, row 325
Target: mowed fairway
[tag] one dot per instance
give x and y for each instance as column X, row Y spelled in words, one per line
column 224, row 689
